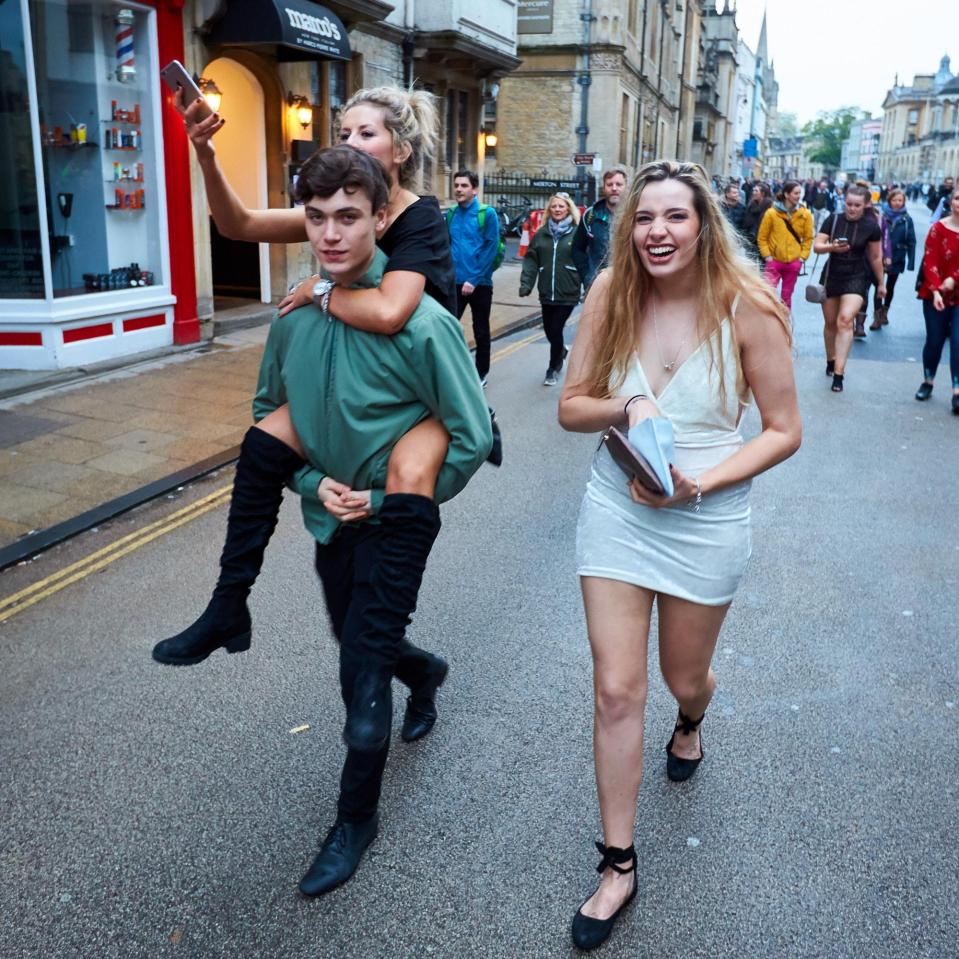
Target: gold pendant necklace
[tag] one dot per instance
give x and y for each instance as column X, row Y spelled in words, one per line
column 659, row 347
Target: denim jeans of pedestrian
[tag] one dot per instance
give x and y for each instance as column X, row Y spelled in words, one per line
column 480, row 302
column 939, row 328
column 345, row 567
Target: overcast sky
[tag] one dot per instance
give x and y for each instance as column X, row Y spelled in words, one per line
column 819, row 66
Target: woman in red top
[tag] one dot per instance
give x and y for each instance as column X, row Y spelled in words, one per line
column 940, row 300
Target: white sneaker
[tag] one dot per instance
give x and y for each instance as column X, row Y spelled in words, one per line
column 484, row 381
column 551, row 378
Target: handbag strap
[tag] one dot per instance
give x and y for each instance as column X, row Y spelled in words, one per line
column 832, row 233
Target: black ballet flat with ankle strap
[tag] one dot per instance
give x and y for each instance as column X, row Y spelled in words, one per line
column 589, row 933
column 837, row 382
column 830, row 367
column 677, row 768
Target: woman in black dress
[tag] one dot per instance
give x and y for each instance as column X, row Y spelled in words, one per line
column 850, row 240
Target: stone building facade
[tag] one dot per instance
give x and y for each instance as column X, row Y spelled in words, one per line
column 920, row 129
column 620, row 84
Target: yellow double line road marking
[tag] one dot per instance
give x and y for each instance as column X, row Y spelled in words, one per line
column 11, row 605
column 25, row 598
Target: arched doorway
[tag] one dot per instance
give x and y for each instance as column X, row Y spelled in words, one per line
column 240, row 269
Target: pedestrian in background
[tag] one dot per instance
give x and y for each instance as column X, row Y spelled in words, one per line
column 848, row 237
column 591, row 239
column 898, row 251
column 821, row 203
column 871, row 213
column 940, row 300
column 680, row 328
column 760, row 200
column 939, row 197
column 785, row 239
column 550, row 266
column 474, row 245
column 733, row 209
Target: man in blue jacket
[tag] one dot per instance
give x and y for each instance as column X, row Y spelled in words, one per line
column 474, row 243
column 591, row 240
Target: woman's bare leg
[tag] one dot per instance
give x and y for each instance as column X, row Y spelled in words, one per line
column 849, row 307
column 417, row 458
column 617, row 617
column 830, row 313
column 688, row 633
column 280, row 426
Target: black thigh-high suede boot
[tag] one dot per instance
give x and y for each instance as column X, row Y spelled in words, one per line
column 264, row 466
column 409, row 527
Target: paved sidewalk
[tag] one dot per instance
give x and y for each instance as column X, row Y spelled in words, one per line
column 68, row 448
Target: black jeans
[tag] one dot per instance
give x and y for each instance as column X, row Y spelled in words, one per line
column 480, row 302
column 555, row 316
column 345, row 567
column 939, row 328
column 891, row 279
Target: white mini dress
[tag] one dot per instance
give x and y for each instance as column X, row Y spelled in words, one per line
column 698, row 557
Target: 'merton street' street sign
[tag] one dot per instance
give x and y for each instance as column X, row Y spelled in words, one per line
column 583, row 159
column 554, row 184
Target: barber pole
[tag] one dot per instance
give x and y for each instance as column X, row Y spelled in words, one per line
column 126, row 62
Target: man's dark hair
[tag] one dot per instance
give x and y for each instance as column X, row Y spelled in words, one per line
column 342, row 167
column 470, row 175
column 731, row 185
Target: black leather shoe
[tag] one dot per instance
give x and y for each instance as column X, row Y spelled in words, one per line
column 588, row 933
column 420, row 714
column 924, row 391
column 215, row 628
column 955, row 402
column 342, row 851
column 677, row 768
column 495, row 457
column 371, row 711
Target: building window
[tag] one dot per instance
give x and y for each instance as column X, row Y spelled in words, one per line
column 95, row 81
column 21, row 256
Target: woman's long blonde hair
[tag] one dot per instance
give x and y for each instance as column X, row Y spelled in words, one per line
column 725, row 272
column 411, row 117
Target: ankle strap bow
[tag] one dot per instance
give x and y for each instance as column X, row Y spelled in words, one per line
column 688, row 725
column 613, row 857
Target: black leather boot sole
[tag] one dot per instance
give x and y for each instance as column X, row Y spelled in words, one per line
column 204, row 637
column 339, row 856
column 370, row 714
column 420, row 716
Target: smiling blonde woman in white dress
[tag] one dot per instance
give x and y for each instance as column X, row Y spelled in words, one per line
column 679, row 326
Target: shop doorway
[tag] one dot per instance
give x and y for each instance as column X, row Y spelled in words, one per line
column 241, row 271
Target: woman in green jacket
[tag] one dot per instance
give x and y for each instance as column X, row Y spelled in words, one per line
column 549, row 264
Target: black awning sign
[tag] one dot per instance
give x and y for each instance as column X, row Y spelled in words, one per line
column 312, row 27
column 298, row 29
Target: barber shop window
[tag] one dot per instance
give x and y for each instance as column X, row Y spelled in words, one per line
column 96, row 73
column 21, row 256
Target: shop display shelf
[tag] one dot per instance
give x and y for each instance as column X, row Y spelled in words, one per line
column 124, row 209
column 125, row 179
column 123, row 149
column 71, row 146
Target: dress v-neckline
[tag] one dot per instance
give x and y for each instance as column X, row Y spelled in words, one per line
column 672, row 379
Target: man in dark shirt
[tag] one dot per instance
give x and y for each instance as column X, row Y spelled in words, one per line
column 591, row 239
column 733, row 209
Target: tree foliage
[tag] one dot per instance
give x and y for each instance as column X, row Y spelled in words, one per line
column 787, row 125
column 826, row 133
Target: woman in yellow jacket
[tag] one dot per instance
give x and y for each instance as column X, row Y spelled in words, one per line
column 785, row 239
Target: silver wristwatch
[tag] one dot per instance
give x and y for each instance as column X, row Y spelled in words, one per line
column 321, row 294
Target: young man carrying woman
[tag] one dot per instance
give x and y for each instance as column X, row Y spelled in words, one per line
column 398, row 128
column 679, row 326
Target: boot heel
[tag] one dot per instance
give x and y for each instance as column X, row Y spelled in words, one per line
column 240, row 643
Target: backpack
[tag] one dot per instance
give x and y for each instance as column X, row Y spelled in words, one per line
column 481, row 220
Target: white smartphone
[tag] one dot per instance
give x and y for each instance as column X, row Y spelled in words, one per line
column 177, row 78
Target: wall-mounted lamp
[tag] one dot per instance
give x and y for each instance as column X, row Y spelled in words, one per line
column 491, row 139
column 302, row 107
column 211, row 93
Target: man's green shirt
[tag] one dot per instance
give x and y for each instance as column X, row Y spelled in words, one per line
column 353, row 394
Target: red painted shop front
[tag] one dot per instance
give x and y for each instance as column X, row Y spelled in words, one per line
column 96, row 230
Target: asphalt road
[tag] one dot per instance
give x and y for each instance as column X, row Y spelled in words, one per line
column 154, row 812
